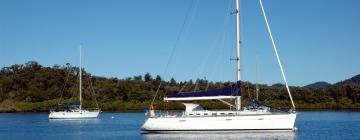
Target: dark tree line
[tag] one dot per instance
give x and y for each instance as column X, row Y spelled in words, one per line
column 33, row 87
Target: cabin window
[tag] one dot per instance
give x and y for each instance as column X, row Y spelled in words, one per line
column 198, row 108
column 191, row 114
column 197, row 114
column 222, row 113
column 231, row 113
column 214, row 114
column 205, row 114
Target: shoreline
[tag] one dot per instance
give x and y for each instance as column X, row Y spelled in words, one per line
column 141, row 111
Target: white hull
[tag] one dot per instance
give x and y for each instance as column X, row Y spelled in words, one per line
column 264, row 122
column 83, row 114
column 221, row 135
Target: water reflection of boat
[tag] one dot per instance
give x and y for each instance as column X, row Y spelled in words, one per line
column 220, row 135
column 75, row 121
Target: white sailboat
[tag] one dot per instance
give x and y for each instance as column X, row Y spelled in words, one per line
column 75, row 110
column 195, row 118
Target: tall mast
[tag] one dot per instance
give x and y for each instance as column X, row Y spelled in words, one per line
column 80, row 80
column 238, row 42
column 257, row 77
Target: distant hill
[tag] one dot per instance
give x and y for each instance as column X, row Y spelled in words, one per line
column 278, row 85
column 350, row 81
column 320, row 84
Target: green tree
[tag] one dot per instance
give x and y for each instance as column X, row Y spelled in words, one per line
column 148, row 77
column 172, row 82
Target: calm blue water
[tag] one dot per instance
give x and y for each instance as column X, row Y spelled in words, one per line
column 312, row 125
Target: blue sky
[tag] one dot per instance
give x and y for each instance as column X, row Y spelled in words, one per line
column 317, row 40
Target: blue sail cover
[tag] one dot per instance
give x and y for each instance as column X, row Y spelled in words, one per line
column 228, row 92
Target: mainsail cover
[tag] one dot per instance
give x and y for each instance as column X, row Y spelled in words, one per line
column 228, row 92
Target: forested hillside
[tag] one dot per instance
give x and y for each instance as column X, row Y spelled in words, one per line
column 320, row 84
column 33, row 87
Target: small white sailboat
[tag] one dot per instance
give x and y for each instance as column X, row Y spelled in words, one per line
column 254, row 117
column 75, row 110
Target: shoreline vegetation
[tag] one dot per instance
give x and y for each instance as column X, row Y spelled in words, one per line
column 31, row 87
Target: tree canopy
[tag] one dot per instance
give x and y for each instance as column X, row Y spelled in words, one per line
column 33, row 87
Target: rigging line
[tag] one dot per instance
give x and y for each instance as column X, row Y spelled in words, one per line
column 196, row 84
column 201, row 66
column 248, row 90
column 183, row 87
column 220, row 38
column 234, row 31
column 190, row 19
column 174, row 48
column 92, row 91
column 222, row 42
column 64, row 85
column 74, row 90
column 226, row 34
column 277, row 55
column 222, row 51
column 257, row 78
column 218, row 58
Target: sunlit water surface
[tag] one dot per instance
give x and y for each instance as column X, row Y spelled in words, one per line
column 312, row 125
